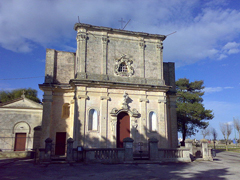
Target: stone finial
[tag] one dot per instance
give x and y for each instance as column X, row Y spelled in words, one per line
column 153, row 140
column 188, row 141
column 203, row 140
column 48, row 140
column 70, row 140
column 128, row 139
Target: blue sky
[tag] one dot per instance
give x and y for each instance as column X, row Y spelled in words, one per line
column 206, row 45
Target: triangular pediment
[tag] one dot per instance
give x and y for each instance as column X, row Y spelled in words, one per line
column 21, row 103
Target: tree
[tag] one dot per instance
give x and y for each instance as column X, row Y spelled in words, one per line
column 226, row 130
column 29, row 93
column 191, row 114
column 236, row 124
column 205, row 132
column 214, row 134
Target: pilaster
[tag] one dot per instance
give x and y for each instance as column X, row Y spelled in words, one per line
column 46, row 117
column 81, row 51
column 80, row 118
column 163, row 124
column 172, row 121
column 159, row 49
column 142, row 58
column 143, row 123
column 104, row 121
column 104, row 55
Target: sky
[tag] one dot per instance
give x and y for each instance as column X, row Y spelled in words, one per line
column 205, row 45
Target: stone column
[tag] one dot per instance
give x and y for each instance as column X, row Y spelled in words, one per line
column 153, row 149
column 46, row 117
column 128, row 145
column 104, row 121
column 79, row 116
column 81, row 53
column 173, row 112
column 104, row 53
column 48, row 149
column 113, row 131
column 72, row 116
column 82, row 119
column 163, row 124
column 70, row 149
column 189, row 145
column 142, row 58
column 160, row 59
column 143, row 123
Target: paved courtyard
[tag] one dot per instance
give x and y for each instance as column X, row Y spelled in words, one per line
column 225, row 166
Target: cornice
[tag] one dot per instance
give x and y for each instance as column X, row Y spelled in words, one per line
column 119, row 31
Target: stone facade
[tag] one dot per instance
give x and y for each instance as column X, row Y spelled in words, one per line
column 113, row 73
column 19, row 124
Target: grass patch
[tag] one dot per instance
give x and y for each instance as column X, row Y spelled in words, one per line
column 231, row 148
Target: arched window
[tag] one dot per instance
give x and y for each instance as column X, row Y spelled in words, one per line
column 152, row 121
column 65, row 110
column 93, row 120
column 123, row 67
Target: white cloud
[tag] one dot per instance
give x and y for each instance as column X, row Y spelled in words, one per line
column 228, row 87
column 204, row 30
column 231, row 45
column 212, row 89
column 228, row 49
column 215, row 89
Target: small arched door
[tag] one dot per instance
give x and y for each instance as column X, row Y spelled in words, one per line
column 123, row 128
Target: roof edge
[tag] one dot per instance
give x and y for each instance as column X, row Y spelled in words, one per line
column 89, row 26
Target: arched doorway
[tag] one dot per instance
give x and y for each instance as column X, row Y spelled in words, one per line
column 21, row 131
column 123, row 128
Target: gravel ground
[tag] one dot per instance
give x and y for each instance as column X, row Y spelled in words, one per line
column 225, row 166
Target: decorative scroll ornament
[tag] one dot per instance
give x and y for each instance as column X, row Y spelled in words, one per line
column 123, row 66
column 124, row 104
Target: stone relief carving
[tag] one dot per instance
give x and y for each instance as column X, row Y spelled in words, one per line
column 114, row 123
column 123, row 66
column 135, row 123
column 124, row 104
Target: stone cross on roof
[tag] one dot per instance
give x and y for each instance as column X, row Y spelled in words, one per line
column 121, row 21
column 23, row 94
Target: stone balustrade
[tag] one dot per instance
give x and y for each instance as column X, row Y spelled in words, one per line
column 125, row 154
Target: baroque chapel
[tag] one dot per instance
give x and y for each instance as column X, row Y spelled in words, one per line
column 115, row 86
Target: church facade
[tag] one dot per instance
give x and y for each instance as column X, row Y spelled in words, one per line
column 20, row 121
column 116, row 85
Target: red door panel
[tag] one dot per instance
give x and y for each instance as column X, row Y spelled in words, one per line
column 20, row 142
column 60, row 143
column 123, row 128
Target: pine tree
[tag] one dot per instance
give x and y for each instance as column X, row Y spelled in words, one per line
column 191, row 114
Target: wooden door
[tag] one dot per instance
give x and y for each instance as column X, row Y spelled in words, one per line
column 123, row 128
column 20, row 142
column 60, row 143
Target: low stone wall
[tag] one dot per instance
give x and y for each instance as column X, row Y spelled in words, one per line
column 105, row 155
column 17, row 154
column 203, row 152
column 174, row 155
